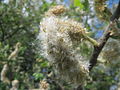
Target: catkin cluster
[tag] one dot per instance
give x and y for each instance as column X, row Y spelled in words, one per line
column 59, row 39
column 101, row 9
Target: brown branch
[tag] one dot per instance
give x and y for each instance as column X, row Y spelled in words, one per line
column 98, row 49
column 103, row 40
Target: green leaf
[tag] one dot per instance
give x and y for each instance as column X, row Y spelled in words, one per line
column 0, row 44
column 86, row 4
column 44, row 64
column 38, row 76
column 77, row 3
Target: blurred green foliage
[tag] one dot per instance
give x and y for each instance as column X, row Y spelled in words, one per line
column 19, row 22
column 78, row 3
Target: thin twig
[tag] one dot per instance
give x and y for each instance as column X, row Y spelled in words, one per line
column 103, row 40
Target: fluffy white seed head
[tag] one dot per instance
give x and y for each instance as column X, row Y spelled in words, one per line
column 59, row 39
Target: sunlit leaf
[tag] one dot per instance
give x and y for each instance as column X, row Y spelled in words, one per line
column 77, row 3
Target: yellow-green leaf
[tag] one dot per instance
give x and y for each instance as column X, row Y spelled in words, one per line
column 77, row 3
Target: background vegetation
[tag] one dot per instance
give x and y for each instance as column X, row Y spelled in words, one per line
column 19, row 23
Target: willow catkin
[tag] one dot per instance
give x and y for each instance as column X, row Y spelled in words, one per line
column 15, row 85
column 101, row 9
column 4, row 77
column 55, row 10
column 44, row 85
column 58, row 36
column 14, row 54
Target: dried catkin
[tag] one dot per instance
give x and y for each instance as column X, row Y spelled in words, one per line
column 101, row 9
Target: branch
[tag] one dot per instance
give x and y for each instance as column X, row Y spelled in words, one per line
column 116, row 14
column 103, row 40
column 98, row 49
